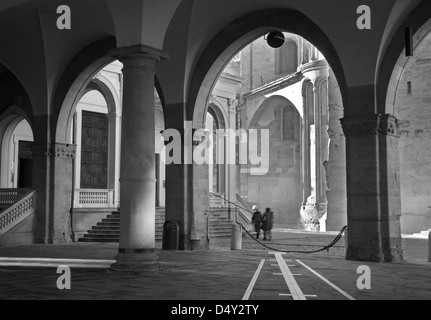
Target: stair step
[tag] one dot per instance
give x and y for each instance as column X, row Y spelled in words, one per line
column 108, row 230
column 103, row 231
column 102, row 235
column 99, row 240
column 102, row 227
column 110, row 221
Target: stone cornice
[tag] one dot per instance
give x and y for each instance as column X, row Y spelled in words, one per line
column 313, row 65
column 276, row 85
column 373, row 125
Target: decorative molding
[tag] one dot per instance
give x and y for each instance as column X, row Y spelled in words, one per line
column 60, row 150
column 389, row 125
column 56, row 150
column 375, row 125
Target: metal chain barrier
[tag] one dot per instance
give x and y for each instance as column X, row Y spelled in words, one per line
column 332, row 244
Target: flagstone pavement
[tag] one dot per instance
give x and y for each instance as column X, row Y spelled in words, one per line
column 218, row 274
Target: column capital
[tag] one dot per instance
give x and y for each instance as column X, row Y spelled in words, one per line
column 139, row 50
column 372, row 125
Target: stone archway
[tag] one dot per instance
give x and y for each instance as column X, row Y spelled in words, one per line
column 232, row 39
column 408, row 101
column 74, row 83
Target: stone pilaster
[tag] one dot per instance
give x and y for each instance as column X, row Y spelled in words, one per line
column 187, row 194
column 53, row 167
column 373, row 188
column 178, row 184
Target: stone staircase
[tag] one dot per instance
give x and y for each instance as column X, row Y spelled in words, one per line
column 219, row 226
column 108, row 230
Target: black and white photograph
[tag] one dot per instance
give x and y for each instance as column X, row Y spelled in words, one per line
column 215, row 158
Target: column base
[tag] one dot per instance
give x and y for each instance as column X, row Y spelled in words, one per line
column 51, row 240
column 137, row 261
column 392, row 255
column 199, row 245
column 334, row 224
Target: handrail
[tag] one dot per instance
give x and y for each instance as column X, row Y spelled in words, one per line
column 244, row 212
column 10, row 196
column 17, row 212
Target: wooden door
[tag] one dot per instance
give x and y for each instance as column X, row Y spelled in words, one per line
column 94, row 151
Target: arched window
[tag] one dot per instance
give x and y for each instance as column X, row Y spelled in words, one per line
column 290, row 124
column 286, row 58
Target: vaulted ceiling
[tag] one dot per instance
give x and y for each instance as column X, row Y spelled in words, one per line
column 37, row 53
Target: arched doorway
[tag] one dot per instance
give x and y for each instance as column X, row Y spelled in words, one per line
column 218, row 166
column 16, row 153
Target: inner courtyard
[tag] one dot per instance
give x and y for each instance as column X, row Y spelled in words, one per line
column 158, row 130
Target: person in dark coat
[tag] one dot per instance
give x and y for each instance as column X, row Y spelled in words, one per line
column 267, row 224
column 257, row 220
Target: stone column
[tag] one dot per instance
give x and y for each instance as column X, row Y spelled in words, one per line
column 231, row 166
column 336, row 167
column 77, row 138
column 137, row 172
column 318, row 144
column 306, row 162
column 114, row 155
column 373, row 188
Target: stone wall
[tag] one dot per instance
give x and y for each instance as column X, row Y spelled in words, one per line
column 412, row 108
column 280, row 187
column 258, row 65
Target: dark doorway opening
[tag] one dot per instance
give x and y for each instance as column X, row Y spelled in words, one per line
column 25, row 165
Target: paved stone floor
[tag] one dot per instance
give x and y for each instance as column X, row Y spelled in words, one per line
column 218, row 274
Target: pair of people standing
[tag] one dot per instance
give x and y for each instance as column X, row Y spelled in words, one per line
column 263, row 222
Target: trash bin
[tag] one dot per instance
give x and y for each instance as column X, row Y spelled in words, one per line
column 236, row 237
column 171, row 236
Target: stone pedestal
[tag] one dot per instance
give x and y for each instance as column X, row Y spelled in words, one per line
column 137, row 173
column 373, row 189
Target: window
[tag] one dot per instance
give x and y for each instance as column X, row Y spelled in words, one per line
column 286, row 58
